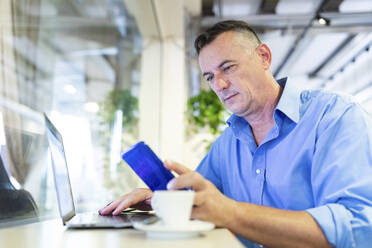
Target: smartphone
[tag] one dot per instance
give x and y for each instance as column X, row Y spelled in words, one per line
column 147, row 166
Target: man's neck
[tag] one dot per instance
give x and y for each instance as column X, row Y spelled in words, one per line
column 263, row 120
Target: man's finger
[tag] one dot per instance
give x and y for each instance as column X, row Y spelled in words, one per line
column 176, row 167
column 109, row 208
column 199, row 198
column 191, row 180
column 199, row 214
column 123, row 205
column 136, row 196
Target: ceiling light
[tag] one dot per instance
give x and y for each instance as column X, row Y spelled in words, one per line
column 323, row 21
column 70, row 89
column 91, row 107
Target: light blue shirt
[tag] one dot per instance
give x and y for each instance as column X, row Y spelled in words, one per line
column 317, row 157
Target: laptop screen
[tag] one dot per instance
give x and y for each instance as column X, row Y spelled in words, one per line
column 60, row 171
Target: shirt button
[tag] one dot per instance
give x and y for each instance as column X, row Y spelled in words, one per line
column 258, row 171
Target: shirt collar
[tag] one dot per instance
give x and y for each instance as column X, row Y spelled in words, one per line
column 233, row 120
column 289, row 103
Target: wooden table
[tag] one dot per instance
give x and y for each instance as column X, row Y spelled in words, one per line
column 52, row 233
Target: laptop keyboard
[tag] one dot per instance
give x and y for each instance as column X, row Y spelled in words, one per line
column 91, row 218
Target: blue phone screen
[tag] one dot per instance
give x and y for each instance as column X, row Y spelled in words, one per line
column 148, row 166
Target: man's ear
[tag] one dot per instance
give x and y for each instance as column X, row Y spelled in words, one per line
column 265, row 54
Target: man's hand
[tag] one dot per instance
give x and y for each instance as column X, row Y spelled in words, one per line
column 138, row 198
column 209, row 203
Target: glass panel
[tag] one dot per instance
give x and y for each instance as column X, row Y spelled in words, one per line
column 78, row 61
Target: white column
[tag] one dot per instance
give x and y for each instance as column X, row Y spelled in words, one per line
column 173, row 99
column 150, row 94
column 163, row 90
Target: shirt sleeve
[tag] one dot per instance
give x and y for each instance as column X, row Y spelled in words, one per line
column 342, row 177
column 208, row 167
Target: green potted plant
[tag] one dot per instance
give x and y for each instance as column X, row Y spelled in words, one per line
column 205, row 111
column 120, row 100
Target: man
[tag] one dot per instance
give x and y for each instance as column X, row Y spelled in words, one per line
column 293, row 169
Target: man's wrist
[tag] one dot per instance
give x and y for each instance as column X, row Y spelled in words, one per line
column 232, row 214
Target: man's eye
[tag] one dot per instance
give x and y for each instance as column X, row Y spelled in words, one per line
column 227, row 68
column 209, row 78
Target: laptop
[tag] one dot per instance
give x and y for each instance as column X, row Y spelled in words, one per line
column 64, row 193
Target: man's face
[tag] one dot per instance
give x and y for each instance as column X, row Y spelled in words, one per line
column 234, row 68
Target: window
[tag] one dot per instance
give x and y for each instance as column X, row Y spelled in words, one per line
column 65, row 58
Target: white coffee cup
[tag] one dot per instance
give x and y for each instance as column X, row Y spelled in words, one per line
column 173, row 207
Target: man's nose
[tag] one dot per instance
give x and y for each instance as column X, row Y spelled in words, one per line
column 221, row 84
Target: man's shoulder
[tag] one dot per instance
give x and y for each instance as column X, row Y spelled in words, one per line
column 325, row 100
column 325, row 107
column 326, row 97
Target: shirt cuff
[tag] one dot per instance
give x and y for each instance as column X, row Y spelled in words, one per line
column 334, row 220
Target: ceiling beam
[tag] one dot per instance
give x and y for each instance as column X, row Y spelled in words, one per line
column 332, row 6
column 268, row 6
column 207, row 8
column 363, row 88
column 351, row 29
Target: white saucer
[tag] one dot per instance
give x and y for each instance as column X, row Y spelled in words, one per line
column 159, row 230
